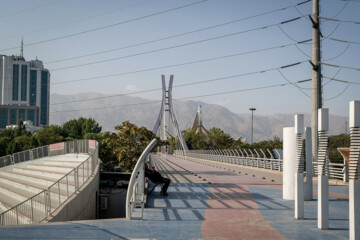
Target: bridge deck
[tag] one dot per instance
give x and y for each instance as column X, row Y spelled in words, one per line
column 211, row 201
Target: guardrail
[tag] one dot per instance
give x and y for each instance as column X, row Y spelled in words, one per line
column 245, row 157
column 259, row 159
column 37, row 208
column 136, row 188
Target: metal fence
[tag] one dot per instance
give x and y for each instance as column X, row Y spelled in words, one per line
column 259, row 159
column 23, row 156
column 37, row 208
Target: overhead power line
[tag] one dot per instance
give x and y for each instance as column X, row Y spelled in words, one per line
column 338, row 20
column 30, row 9
column 173, row 65
column 178, row 46
column 183, row 85
column 339, row 80
column 109, row 26
column 344, row 41
column 72, row 22
column 178, row 35
column 183, row 98
column 339, row 66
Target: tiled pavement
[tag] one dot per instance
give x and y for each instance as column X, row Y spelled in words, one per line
column 207, row 201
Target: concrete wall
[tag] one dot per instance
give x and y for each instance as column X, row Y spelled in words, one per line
column 82, row 205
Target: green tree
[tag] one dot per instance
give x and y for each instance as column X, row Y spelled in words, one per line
column 123, row 148
column 48, row 135
column 4, row 143
column 195, row 141
column 218, row 139
column 78, row 128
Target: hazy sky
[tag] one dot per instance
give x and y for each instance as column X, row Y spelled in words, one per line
column 144, row 39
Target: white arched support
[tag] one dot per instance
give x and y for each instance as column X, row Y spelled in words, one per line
column 136, row 187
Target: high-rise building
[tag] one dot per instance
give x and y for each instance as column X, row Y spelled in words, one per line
column 24, row 91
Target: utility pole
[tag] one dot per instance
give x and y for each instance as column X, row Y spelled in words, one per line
column 316, row 77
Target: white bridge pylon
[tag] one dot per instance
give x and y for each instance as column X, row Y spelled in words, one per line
column 167, row 125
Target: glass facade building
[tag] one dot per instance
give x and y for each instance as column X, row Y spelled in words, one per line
column 24, row 75
column 15, row 89
column 3, row 117
column 44, row 98
column 32, row 92
column 24, row 91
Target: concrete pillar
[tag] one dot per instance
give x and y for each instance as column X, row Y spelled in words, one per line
column 299, row 167
column 289, row 154
column 308, row 187
column 354, row 173
column 299, row 195
column 354, row 209
column 323, row 180
column 323, row 202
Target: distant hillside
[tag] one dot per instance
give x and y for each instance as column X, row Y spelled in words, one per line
column 236, row 125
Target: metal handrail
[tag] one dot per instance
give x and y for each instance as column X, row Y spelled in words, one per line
column 335, row 170
column 136, row 185
column 48, row 207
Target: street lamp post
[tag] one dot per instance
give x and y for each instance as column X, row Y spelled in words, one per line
column 252, row 123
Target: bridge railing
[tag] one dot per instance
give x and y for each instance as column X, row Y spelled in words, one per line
column 39, row 207
column 136, row 188
column 245, row 157
column 259, row 159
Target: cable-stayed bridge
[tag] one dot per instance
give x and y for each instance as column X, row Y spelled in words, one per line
column 214, row 194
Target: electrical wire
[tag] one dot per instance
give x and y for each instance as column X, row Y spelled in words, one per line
column 294, row 84
column 108, row 26
column 342, row 9
column 344, row 41
column 75, row 21
column 332, row 77
column 343, row 91
column 338, row 20
column 30, row 9
column 182, row 85
column 340, row 54
column 339, row 80
column 177, row 35
column 339, row 66
column 172, row 65
column 333, row 31
column 183, row 98
column 172, row 47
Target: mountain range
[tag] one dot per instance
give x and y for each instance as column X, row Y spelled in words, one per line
column 144, row 112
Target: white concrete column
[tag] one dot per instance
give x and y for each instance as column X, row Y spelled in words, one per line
column 323, row 202
column 299, row 195
column 299, row 167
column 308, row 187
column 323, row 180
column 354, row 174
column 289, row 154
column 354, row 209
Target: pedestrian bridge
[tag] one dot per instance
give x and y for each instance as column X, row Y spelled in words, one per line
column 207, row 200
column 39, row 185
